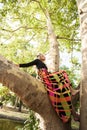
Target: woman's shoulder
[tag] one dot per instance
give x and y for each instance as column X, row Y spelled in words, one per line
column 37, row 61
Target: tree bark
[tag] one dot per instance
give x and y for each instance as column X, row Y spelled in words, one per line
column 32, row 92
column 53, row 54
column 82, row 9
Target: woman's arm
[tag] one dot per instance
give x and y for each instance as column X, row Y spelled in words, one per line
column 29, row 64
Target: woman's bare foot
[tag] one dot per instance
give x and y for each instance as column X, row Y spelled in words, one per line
column 74, row 92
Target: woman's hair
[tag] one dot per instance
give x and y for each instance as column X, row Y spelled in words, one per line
column 39, row 55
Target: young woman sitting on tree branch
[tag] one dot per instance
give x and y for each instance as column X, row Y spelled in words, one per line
column 58, row 87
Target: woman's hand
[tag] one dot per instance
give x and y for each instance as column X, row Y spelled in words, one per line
column 17, row 65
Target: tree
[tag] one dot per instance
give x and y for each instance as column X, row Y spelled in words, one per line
column 30, row 21
column 82, row 4
column 32, row 93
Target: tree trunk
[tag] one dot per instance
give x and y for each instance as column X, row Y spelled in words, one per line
column 52, row 58
column 32, row 93
column 82, row 8
column 53, row 54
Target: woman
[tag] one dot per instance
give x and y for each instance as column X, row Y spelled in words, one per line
column 58, row 88
column 39, row 62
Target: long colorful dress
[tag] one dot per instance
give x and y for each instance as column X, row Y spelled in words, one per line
column 57, row 85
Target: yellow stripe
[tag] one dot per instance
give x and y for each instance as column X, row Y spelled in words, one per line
column 58, row 93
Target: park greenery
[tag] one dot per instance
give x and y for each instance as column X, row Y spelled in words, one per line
column 23, row 34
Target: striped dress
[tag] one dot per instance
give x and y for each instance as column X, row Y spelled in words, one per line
column 58, row 88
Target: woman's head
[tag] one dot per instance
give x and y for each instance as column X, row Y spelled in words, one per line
column 41, row 57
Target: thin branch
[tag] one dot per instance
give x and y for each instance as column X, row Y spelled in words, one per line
column 40, row 6
column 25, row 27
column 31, row 38
column 6, row 40
column 66, row 38
column 12, row 36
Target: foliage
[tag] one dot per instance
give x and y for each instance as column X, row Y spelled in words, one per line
column 3, row 90
column 6, row 96
column 32, row 123
column 24, row 30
